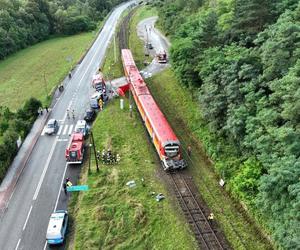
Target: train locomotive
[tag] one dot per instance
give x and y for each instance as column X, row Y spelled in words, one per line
column 164, row 139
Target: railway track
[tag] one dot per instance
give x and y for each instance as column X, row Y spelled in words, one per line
column 196, row 215
column 123, row 31
column 205, row 232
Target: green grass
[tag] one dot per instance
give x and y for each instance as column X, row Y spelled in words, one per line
column 37, row 70
column 135, row 44
column 111, row 215
column 185, row 118
column 113, row 64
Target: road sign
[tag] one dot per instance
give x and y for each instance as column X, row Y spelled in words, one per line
column 78, row 188
column 19, row 142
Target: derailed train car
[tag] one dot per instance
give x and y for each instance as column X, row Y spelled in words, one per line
column 164, row 139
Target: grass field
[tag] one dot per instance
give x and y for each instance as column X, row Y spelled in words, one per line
column 37, row 70
column 135, row 44
column 111, row 215
column 113, row 68
column 114, row 216
column 185, row 118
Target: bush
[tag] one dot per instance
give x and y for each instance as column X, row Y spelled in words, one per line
column 31, row 107
column 10, row 143
column 245, row 184
column 3, row 126
column 11, row 126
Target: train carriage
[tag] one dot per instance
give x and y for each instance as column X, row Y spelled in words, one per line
column 164, row 139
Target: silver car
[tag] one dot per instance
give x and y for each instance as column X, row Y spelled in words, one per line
column 52, row 127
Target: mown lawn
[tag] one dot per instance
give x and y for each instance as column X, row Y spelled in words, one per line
column 35, row 71
column 113, row 216
column 113, row 63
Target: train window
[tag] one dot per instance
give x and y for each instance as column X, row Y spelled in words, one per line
column 171, row 150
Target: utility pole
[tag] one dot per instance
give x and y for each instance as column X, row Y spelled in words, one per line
column 147, row 41
column 115, row 49
column 93, row 144
column 90, row 154
column 130, row 100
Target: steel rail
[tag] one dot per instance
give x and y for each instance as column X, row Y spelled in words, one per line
column 207, row 242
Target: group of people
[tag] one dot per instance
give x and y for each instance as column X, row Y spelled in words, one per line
column 68, row 113
column 107, row 157
column 41, row 110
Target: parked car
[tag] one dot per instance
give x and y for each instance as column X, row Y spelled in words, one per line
column 52, row 127
column 149, row 46
column 94, row 100
column 90, row 115
column 57, row 227
column 100, row 87
column 82, row 127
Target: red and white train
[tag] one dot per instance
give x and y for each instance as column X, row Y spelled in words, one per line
column 164, row 139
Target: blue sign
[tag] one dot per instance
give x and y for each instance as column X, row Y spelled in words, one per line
column 78, row 188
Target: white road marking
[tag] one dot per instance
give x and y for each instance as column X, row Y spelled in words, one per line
column 45, row 245
column 45, row 169
column 27, row 218
column 53, row 146
column 61, row 184
column 18, row 244
column 59, row 140
column 70, row 129
column 59, row 130
column 44, row 130
column 65, row 129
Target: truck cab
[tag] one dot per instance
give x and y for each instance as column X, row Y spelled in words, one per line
column 162, row 57
column 75, row 149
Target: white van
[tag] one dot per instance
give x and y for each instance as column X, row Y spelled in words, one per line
column 57, row 227
column 81, row 127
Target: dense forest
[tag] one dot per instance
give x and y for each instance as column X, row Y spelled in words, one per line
column 26, row 22
column 241, row 57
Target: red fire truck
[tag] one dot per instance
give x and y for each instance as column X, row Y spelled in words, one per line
column 75, row 149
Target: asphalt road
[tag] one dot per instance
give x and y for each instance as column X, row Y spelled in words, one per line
column 39, row 189
column 148, row 33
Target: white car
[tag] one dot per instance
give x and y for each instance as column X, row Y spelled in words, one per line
column 94, row 100
column 82, row 127
column 52, row 127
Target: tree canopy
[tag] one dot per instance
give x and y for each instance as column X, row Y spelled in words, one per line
column 23, row 23
column 242, row 57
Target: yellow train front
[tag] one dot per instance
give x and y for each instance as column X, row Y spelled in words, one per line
column 164, row 139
